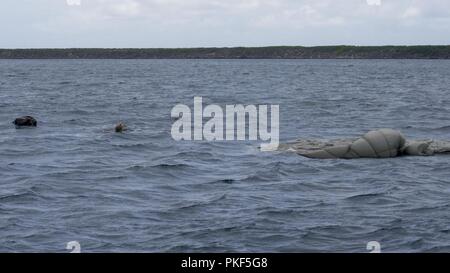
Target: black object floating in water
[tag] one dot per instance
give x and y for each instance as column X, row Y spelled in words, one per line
column 26, row 121
column 120, row 128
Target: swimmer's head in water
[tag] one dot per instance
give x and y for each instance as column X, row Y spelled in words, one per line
column 120, row 127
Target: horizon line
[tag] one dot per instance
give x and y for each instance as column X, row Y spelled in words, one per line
column 230, row 47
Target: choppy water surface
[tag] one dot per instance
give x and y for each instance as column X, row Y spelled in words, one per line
column 72, row 178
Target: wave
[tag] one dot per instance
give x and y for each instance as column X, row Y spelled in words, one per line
column 160, row 166
column 194, row 204
column 365, row 196
column 424, row 128
column 21, row 196
column 65, row 82
column 171, row 166
column 131, row 145
column 225, row 181
column 436, row 249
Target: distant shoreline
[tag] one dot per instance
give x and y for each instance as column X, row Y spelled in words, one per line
column 273, row 52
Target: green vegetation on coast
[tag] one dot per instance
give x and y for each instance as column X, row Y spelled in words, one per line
column 275, row 52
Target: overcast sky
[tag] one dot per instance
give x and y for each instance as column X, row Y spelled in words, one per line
column 204, row 23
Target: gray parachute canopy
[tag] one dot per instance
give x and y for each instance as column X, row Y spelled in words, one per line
column 383, row 143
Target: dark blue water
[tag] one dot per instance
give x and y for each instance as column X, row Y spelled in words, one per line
column 74, row 179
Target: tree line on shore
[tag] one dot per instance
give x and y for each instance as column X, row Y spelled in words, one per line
column 274, row 52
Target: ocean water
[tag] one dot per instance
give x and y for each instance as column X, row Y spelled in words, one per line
column 74, row 179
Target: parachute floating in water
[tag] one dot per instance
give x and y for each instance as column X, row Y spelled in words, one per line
column 383, row 143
